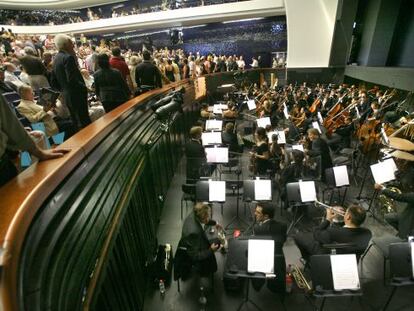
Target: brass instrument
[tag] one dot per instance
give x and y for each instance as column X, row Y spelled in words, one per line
column 300, row 279
column 336, row 210
column 387, row 204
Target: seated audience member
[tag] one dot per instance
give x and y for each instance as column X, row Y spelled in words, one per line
column 310, row 243
column 9, row 76
column 5, row 87
column 199, row 249
column 195, row 154
column 110, row 87
column 14, row 137
column 35, row 69
column 89, row 81
column 37, row 113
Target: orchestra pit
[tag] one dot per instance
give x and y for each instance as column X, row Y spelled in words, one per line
column 206, row 155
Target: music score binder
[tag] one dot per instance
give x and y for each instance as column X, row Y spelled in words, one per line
column 251, row 104
column 257, row 190
column 384, row 171
column 214, row 125
column 263, row 122
column 217, row 154
column 211, row 138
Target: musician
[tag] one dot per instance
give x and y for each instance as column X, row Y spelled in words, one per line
column 265, row 225
column 261, row 155
column 204, row 113
column 363, row 105
column 194, row 238
column 341, row 136
column 196, row 157
column 319, row 147
column 231, row 112
column 310, row 243
column 229, row 138
column 403, row 220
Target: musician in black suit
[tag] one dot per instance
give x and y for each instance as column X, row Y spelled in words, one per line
column 229, row 138
column 266, row 226
column 110, row 86
column 311, row 243
column 195, row 240
column 67, row 78
column 319, row 147
column 195, row 154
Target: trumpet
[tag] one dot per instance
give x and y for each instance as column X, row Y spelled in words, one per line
column 300, row 279
column 336, row 210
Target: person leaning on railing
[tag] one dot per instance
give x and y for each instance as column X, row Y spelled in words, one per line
column 14, row 137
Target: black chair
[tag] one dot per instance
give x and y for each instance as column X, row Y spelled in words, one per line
column 400, row 267
column 187, row 196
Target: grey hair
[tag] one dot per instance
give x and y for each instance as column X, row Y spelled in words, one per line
column 61, row 40
column 29, row 50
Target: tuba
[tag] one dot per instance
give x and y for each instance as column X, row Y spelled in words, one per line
column 387, row 205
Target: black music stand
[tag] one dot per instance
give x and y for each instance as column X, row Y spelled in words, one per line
column 331, row 182
column 236, row 185
column 295, row 201
column 203, row 194
column 236, row 266
column 322, row 281
column 401, row 268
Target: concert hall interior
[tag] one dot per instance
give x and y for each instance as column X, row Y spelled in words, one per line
column 206, row 155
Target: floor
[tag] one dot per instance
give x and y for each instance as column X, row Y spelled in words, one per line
column 169, row 231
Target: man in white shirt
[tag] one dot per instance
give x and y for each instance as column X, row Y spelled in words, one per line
column 240, row 63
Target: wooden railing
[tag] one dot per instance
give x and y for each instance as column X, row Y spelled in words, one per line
column 63, row 222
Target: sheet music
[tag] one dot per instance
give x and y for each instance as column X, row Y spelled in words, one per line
column 320, row 118
column 345, row 272
column 357, row 111
column 383, row 171
column 217, row 109
column 281, row 137
column 217, row 155
column 412, row 255
column 214, row 125
column 260, row 256
column 251, row 104
column 341, row 175
column 263, row 190
column 391, row 163
column 298, row 147
column 211, row 138
column 210, row 108
column 315, row 125
column 263, row 122
column 385, row 137
column 216, row 191
column 307, row 191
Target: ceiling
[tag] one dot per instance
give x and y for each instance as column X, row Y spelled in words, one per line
column 52, row 4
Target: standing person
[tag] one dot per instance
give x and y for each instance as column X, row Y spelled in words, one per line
column 118, row 62
column 261, row 155
column 110, row 87
column 147, row 73
column 195, row 154
column 67, row 78
column 319, row 147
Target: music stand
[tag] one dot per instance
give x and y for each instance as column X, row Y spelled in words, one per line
column 333, row 185
column 203, row 193
column 294, row 199
column 236, row 266
column 401, row 268
column 322, row 280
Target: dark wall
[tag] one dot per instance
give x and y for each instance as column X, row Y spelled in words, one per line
column 402, row 51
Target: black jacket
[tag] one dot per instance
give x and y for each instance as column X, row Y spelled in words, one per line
column 319, row 147
column 110, row 86
column 274, row 229
column 194, row 238
column 196, row 158
column 147, row 73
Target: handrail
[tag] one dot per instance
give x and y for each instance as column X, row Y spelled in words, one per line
column 24, row 195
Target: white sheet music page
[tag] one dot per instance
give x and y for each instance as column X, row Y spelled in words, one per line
column 345, row 272
column 412, row 255
column 251, row 104
column 315, row 125
column 270, row 134
column 210, row 138
column 263, row 122
column 298, row 147
column 217, row 155
column 263, row 190
column 391, row 163
column 260, row 256
column 383, row 171
column 285, row 112
column 216, row 191
column 320, row 118
column 214, row 125
column 307, row 191
column 281, row 137
column 341, row 175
